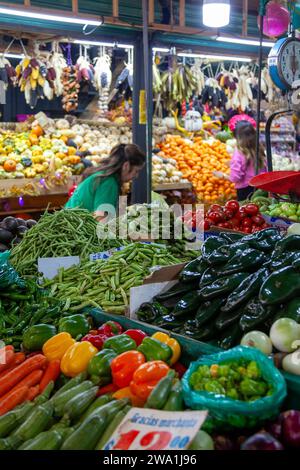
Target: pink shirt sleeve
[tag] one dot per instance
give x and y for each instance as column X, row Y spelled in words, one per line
column 237, row 167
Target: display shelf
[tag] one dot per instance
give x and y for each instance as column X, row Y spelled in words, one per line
column 172, row 186
column 11, row 205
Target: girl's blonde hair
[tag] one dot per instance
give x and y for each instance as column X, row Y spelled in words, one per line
column 246, row 143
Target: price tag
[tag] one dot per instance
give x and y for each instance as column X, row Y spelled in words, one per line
column 146, row 429
column 105, row 254
column 49, row 266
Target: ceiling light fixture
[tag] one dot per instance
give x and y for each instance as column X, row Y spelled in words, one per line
column 246, row 42
column 8, row 55
column 49, row 17
column 217, row 57
column 216, row 13
column 160, row 49
column 105, row 44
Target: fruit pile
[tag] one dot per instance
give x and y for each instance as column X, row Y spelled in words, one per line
column 197, row 161
column 246, row 218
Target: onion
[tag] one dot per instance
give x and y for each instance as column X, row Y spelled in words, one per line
column 283, row 333
column 258, row 340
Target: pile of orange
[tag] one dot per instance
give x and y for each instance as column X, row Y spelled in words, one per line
column 197, row 161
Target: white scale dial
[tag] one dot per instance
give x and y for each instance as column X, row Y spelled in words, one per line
column 290, row 62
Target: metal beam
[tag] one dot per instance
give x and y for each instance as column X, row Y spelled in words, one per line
column 181, row 12
column 115, row 5
column 245, row 17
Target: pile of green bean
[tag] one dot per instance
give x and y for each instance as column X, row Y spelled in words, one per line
column 68, row 232
column 106, row 284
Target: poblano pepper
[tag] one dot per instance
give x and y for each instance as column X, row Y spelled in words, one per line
column 222, row 286
column 188, row 304
column 283, row 260
column 193, row 270
column 200, row 333
column 264, row 240
column 150, row 311
column 226, row 319
column 178, row 289
column 76, row 325
column 230, row 337
column 280, row 286
column 291, row 310
column 154, row 350
column 248, row 288
column 169, row 322
column 254, row 314
column 246, row 260
column 211, row 244
column 208, row 310
column 224, row 253
column 289, row 243
column 231, row 237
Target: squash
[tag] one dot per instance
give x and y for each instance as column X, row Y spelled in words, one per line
column 72, row 150
column 9, row 165
column 34, row 140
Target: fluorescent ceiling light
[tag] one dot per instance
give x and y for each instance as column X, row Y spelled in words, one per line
column 216, row 13
column 13, row 56
column 160, row 49
column 48, row 17
column 217, row 57
column 105, row 44
column 247, row 42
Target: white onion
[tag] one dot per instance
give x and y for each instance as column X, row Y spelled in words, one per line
column 258, row 340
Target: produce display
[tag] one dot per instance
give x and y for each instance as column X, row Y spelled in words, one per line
column 275, row 207
column 12, row 230
column 67, row 232
column 246, row 218
column 197, row 161
column 239, row 284
column 164, row 170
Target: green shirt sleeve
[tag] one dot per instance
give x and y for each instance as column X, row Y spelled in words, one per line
column 106, row 195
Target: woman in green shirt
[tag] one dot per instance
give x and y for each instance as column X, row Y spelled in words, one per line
column 100, row 188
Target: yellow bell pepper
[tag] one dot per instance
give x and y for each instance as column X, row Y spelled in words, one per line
column 126, row 393
column 76, row 358
column 171, row 342
column 56, row 346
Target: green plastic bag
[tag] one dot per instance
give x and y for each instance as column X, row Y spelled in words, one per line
column 8, row 275
column 227, row 412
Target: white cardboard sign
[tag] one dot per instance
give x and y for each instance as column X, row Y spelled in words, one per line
column 49, row 266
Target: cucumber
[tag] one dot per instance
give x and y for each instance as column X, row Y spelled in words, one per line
column 159, row 395
column 175, row 398
column 10, row 420
column 61, row 401
column 111, row 428
column 78, row 404
column 100, row 401
column 71, row 383
column 36, row 422
column 48, row 440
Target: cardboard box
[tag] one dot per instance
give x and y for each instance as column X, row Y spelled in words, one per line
column 279, row 222
column 160, row 280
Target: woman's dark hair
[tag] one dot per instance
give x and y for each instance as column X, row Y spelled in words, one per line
column 245, row 135
column 112, row 165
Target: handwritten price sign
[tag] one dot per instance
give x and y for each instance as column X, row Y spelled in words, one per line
column 145, row 429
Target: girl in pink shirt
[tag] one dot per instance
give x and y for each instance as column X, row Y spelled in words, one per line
column 242, row 164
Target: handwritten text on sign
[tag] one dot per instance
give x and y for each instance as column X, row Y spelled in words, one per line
column 146, row 429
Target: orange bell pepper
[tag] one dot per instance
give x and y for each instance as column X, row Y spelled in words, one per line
column 127, row 393
column 124, row 366
column 146, row 377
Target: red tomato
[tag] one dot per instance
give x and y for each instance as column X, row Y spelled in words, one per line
column 255, row 229
column 241, row 214
column 247, row 222
column 222, row 224
column 251, row 209
column 228, row 214
column 216, row 217
column 215, row 208
column 235, row 222
column 247, row 230
column 232, row 206
column 227, row 224
column 207, row 224
column 258, row 220
column 265, row 226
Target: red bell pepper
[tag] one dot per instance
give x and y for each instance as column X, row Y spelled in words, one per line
column 179, row 368
column 110, row 388
column 124, row 366
column 136, row 335
column 96, row 340
column 110, row 328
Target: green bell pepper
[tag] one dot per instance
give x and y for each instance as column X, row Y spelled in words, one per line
column 35, row 336
column 99, row 366
column 247, row 289
column 246, row 260
column 155, row 350
column 76, row 325
column 120, row 343
column 222, row 286
column 280, row 286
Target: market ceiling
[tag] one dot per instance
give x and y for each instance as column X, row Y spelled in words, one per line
column 130, row 19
